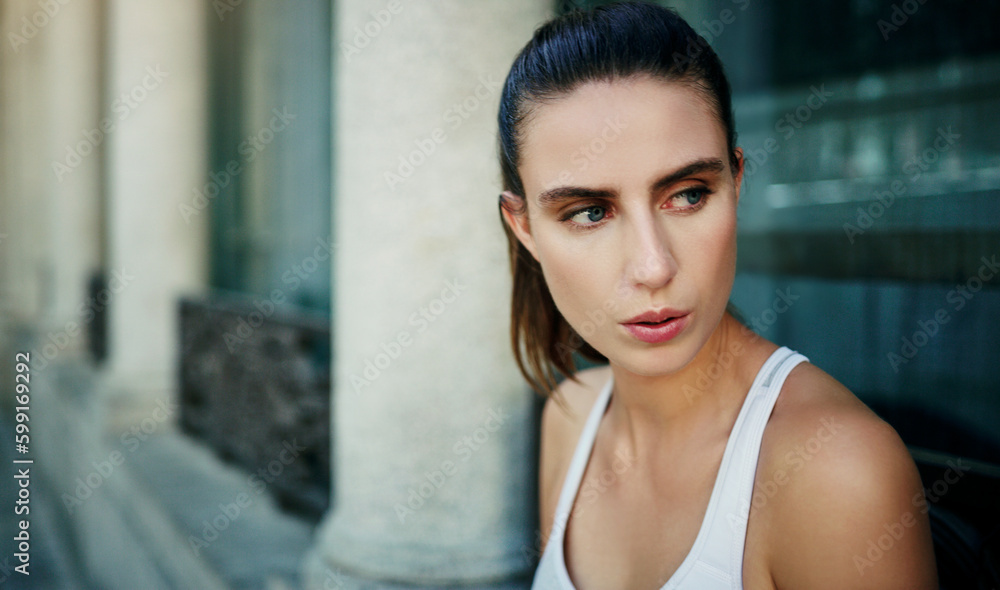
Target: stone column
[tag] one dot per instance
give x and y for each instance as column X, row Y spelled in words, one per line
column 156, row 114
column 49, row 213
column 433, row 440
column 73, row 112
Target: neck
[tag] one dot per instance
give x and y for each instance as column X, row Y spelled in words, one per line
column 700, row 400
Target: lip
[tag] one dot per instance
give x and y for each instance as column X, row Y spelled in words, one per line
column 654, row 327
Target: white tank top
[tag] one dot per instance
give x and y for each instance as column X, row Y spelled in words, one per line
column 716, row 558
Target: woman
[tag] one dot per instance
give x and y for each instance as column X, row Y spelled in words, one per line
column 702, row 456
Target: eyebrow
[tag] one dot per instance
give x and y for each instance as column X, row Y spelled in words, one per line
column 559, row 194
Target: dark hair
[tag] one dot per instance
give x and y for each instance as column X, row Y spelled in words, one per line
column 607, row 43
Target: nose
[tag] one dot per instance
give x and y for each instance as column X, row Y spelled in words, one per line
column 649, row 257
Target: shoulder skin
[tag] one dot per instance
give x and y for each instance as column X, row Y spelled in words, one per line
column 839, row 494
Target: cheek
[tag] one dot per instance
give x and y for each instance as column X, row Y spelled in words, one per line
column 718, row 252
column 577, row 273
column 723, row 240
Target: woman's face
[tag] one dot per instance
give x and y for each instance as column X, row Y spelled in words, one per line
column 631, row 212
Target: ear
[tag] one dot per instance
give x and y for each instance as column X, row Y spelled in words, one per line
column 738, row 173
column 515, row 214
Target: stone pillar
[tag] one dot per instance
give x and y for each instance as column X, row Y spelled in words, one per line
column 73, row 111
column 50, row 210
column 433, row 440
column 156, row 113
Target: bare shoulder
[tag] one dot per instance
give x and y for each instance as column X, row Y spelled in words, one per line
column 561, row 427
column 841, row 482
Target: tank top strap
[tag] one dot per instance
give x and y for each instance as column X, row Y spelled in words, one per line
column 728, row 512
column 578, row 464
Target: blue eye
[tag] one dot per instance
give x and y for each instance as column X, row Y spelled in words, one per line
column 588, row 216
column 690, row 199
column 693, row 197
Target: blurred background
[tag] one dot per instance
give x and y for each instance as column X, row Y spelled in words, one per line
column 253, row 253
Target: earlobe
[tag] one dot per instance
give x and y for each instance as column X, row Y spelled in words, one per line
column 515, row 215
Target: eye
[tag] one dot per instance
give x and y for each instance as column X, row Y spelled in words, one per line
column 692, row 198
column 588, row 216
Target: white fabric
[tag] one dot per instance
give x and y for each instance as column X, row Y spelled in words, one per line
column 716, row 558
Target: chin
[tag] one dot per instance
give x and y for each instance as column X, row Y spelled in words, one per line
column 654, row 360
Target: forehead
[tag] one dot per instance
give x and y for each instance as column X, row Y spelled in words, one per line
column 604, row 131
